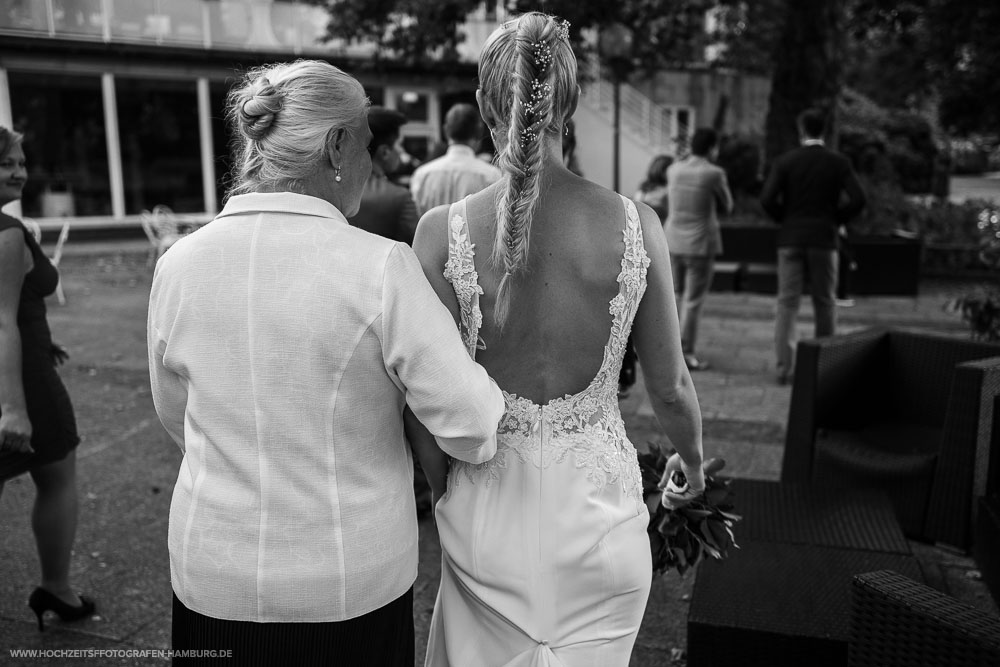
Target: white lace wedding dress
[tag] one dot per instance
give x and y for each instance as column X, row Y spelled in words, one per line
column 545, row 558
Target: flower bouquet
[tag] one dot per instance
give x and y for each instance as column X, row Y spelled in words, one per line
column 679, row 538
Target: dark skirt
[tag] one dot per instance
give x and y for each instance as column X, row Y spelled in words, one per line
column 50, row 412
column 382, row 638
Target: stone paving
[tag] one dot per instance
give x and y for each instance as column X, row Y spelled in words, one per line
column 127, row 468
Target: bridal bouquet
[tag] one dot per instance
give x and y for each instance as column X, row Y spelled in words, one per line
column 679, row 538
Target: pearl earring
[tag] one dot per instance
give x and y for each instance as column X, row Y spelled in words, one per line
column 336, row 176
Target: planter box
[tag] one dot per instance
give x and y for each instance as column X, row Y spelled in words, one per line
column 886, row 266
column 986, row 543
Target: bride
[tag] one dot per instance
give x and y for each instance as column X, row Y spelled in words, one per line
column 545, row 557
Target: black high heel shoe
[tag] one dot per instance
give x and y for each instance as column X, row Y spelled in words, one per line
column 42, row 601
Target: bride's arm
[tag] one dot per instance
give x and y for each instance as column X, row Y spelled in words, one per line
column 433, row 461
column 656, row 334
column 431, row 247
column 430, row 244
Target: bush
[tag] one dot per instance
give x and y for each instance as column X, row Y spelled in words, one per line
column 891, row 145
column 967, row 157
column 740, row 156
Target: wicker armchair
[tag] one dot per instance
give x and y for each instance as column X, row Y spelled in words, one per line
column 897, row 622
column 906, row 412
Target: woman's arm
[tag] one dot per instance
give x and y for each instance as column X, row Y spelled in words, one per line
column 431, row 247
column 433, row 461
column 15, row 428
column 656, row 334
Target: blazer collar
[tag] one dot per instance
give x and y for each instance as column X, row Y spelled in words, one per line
column 281, row 202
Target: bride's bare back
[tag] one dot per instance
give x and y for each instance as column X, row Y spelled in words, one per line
column 553, row 341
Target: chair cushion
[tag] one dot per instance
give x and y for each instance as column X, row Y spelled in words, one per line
column 881, row 449
column 897, row 458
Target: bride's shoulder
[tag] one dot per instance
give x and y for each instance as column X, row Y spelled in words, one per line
column 430, row 242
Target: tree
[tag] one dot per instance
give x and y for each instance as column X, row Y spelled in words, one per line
column 411, row 31
column 418, row 31
column 807, row 69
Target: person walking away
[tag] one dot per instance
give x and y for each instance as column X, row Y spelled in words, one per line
column 37, row 426
column 810, row 192
column 386, row 209
column 545, row 554
column 284, row 347
column 458, row 172
column 697, row 192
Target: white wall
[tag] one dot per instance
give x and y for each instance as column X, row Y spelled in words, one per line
column 594, row 151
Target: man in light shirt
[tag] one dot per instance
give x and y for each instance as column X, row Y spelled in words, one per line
column 458, row 173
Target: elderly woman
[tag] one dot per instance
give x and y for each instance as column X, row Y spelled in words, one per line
column 546, row 556
column 37, row 426
column 284, row 345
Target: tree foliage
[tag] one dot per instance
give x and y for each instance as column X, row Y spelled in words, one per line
column 901, row 53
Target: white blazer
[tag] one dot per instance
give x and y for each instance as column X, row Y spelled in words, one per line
column 283, row 344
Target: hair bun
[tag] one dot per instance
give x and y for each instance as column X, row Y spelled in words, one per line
column 257, row 112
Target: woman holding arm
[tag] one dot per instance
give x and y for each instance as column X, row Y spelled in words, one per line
column 546, row 560
column 284, row 345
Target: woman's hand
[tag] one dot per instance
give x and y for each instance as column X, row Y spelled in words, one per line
column 15, row 432
column 676, row 496
column 59, row 354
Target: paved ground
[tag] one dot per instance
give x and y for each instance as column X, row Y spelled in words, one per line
column 127, row 464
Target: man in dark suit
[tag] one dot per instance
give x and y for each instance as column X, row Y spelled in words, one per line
column 386, row 209
column 811, row 191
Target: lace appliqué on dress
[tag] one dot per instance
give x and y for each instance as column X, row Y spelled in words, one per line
column 588, row 423
column 460, row 271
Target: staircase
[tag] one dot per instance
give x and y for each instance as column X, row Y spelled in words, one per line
column 647, row 129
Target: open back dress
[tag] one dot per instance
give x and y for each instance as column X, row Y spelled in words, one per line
column 545, row 557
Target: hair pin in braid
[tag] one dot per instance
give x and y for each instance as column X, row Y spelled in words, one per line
column 543, row 55
column 562, row 31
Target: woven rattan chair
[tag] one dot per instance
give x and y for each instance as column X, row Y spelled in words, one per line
column 898, row 622
column 906, row 412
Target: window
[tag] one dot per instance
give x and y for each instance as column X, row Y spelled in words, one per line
column 221, row 143
column 62, row 119
column 415, row 106
column 160, row 144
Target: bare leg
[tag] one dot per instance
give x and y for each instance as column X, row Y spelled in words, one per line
column 53, row 521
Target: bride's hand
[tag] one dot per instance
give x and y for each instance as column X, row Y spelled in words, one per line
column 676, row 496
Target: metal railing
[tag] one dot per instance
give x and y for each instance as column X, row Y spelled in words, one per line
column 665, row 128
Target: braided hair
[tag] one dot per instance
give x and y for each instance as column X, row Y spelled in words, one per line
column 527, row 74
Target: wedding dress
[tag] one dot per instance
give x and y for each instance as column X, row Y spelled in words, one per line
column 545, row 557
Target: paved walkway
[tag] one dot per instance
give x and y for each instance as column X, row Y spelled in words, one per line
column 130, row 467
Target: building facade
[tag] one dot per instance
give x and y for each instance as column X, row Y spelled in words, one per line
column 122, row 101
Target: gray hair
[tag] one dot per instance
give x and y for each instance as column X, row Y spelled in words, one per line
column 283, row 116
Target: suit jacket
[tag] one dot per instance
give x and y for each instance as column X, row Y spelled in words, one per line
column 388, row 210
column 696, row 190
column 803, row 193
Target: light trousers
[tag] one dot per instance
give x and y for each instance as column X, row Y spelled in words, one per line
column 692, row 278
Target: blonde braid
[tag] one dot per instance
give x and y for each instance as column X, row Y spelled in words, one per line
column 531, row 115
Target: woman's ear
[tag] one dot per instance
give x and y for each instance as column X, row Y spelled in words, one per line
column 573, row 102
column 488, row 118
column 335, row 147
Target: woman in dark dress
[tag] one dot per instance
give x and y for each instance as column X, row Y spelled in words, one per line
column 37, row 427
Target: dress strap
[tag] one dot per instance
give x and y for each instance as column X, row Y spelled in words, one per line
column 460, row 271
column 631, row 280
